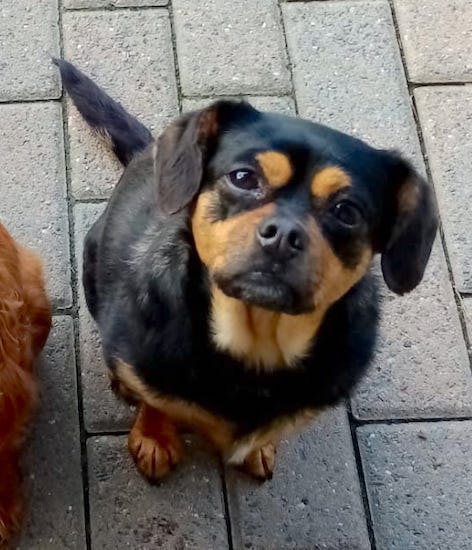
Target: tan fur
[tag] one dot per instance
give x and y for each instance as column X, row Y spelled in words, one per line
column 276, row 167
column 332, row 278
column 219, row 241
column 263, row 339
column 268, row 340
column 328, row 181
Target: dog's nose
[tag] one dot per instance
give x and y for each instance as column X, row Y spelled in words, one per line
column 282, row 237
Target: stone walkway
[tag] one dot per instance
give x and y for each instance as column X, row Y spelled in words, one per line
column 393, row 469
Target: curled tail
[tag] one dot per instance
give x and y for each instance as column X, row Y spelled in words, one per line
column 106, row 116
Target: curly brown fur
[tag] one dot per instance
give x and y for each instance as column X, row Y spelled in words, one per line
column 25, row 321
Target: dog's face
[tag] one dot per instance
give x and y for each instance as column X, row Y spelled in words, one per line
column 286, row 215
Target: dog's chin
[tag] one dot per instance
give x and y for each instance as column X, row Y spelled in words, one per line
column 264, row 290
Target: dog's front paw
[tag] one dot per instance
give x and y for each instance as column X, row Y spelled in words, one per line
column 154, row 444
column 154, row 459
column 260, row 462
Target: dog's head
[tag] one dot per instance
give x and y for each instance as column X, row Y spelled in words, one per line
column 286, row 214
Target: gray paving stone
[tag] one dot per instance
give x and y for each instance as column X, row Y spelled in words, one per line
column 33, row 188
column 230, row 47
column 419, row 483
column 284, row 105
column 446, row 118
column 421, row 369
column 55, row 517
column 314, row 499
column 436, row 38
column 103, row 411
column 77, row 4
column 29, row 36
column 128, row 53
column 348, row 72
column 184, row 511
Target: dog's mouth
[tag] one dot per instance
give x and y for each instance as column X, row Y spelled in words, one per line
column 265, row 289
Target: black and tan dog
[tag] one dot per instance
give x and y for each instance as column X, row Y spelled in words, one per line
column 229, row 275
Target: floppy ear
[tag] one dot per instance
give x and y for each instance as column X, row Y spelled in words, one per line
column 180, row 158
column 412, row 230
column 185, row 147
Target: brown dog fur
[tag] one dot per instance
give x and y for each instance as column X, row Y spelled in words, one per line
column 25, row 321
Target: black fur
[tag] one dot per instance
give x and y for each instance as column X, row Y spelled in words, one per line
column 179, row 164
column 149, row 292
column 103, row 114
column 157, row 307
column 409, row 241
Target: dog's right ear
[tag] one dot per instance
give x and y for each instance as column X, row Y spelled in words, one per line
column 183, row 150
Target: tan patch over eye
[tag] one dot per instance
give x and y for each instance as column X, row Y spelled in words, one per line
column 276, row 167
column 408, row 196
column 329, row 180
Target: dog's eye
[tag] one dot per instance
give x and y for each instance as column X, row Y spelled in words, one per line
column 347, row 213
column 244, row 179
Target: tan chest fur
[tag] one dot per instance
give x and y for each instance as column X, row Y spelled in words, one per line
column 261, row 338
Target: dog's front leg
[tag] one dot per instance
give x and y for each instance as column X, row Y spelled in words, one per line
column 154, row 443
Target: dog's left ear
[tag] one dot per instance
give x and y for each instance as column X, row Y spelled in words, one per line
column 412, row 227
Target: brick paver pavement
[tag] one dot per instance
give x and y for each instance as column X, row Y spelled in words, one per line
column 390, row 470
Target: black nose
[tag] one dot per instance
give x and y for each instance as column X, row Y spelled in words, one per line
column 282, row 237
